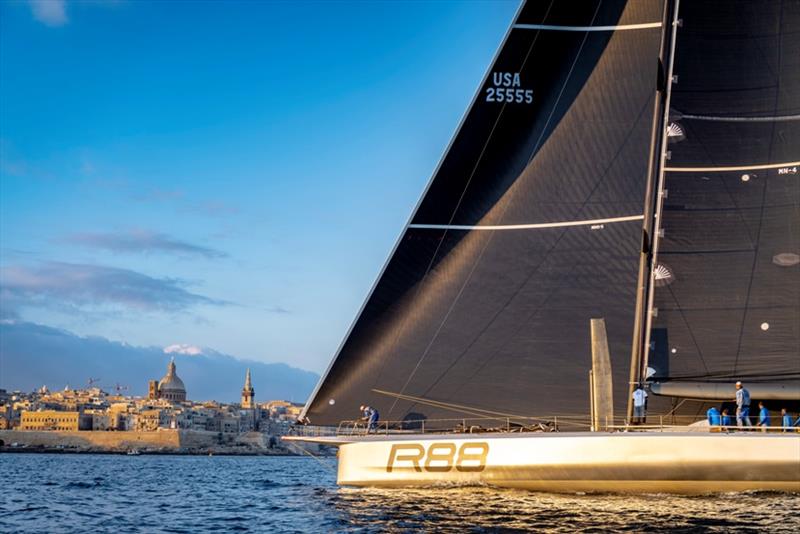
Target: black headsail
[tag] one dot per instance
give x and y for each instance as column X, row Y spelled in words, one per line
column 727, row 273
column 530, row 227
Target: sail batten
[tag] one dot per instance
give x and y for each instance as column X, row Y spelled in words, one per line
column 622, row 27
column 532, row 226
column 755, row 167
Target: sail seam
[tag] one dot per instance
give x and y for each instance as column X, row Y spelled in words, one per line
column 642, row 26
column 533, row 226
column 734, row 168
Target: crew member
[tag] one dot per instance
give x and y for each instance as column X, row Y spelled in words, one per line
column 713, row 416
column 639, row 403
column 726, row 418
column 370, row 417
column 373, row 420
column 763, row 416
column 742, row 406
column 786, row 420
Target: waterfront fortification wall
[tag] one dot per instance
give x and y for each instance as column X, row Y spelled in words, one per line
column 88, row 441
column 161, row 441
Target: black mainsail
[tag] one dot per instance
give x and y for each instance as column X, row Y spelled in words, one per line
column 726, row 298
column 530, row 227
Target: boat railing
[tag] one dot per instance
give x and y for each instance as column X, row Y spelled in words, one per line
column 555, row 423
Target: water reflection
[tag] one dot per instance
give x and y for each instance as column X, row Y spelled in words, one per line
column 68, row 493
column 489, row 509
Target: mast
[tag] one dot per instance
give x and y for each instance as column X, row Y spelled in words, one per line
column 655, row 176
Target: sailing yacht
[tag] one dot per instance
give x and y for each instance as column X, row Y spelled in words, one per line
column 619, row 208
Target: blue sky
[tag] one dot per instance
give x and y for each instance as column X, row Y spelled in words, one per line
column 229, row 176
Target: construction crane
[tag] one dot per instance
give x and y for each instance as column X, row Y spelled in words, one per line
column 120, row 388
column 92, row 381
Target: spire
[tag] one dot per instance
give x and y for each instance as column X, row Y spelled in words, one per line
column 171, row 367
column 248, row 393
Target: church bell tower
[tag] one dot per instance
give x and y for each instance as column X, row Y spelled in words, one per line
column 248, row 393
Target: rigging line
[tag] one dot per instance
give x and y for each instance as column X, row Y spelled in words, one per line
column 675, row 408
column 535, row 271
column 455, row 407
column 452, row 216
column 417, row 401
column 430, row 266
column 302, row 450
column 563, row 87
column 689, row 328
column 720, row 118
column 734, row 168
column 641, row 26
column 526, row 226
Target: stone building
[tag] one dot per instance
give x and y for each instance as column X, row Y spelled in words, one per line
column 148, row 420
column 55, row 420
column 169, row 388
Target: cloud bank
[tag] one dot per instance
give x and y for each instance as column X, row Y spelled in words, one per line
column 33, row 355
column 49, row 12
column 80, row 285
column 140, row 241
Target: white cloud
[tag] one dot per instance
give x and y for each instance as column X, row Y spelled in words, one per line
column 141, row 241
column 94, row 286
column 182, row 348
column 49, row 12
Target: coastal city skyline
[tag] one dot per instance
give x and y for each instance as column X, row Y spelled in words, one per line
column 231, row 193
column 167, row 419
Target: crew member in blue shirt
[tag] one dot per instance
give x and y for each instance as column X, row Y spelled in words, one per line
column 370, row 416
column 742, row 406
column 713, row 416
column 763, row 416
column 786, row 420
column 373, row 419
column 726, row 418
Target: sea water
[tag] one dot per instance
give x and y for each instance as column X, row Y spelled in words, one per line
column 196, row 494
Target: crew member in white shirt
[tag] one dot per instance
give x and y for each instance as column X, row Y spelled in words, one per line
column 639, row 402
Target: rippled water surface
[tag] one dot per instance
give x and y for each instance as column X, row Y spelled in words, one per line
column 103, row 493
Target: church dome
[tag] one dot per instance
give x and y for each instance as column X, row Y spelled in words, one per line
column 171, row 386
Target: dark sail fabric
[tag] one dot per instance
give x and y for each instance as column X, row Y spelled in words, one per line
column 474, row 311
column 727, row 294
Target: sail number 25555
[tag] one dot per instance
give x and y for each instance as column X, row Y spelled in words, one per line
column 507, row 88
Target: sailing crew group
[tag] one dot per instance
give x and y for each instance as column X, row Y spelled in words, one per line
column 715, row 418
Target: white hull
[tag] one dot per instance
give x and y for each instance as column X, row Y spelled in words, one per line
column 673, row 462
